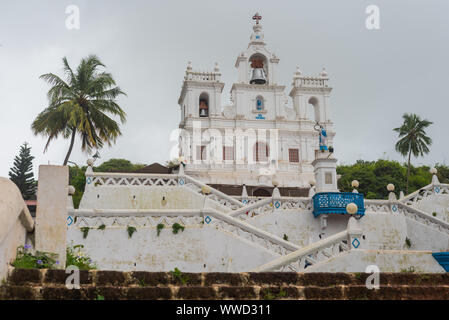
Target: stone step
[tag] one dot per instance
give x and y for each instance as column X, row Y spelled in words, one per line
column 112, row 285
column 35, row 277
column 339, row 292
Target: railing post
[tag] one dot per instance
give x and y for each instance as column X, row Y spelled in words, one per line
column 354, row 234
column 277, row 199
column 244, row 196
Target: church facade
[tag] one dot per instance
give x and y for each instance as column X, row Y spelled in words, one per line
column 263, row 138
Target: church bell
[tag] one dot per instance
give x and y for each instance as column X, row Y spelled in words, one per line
column 258, row 76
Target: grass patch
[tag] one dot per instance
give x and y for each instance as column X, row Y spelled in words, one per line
column 179, row 276
column 102, row 227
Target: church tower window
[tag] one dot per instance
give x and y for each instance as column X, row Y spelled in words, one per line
column 204, row 105
column 228, row 153
column 258, row 69
column 261, row 152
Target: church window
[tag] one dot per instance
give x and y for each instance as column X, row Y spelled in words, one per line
column 261, row 152
column 259, row 103
column 293, row 155
column 258, row 69
column 204, row 105
column 228, row 153
column 328, row 178
column 201, row 152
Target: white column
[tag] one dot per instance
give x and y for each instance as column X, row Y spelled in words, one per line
column 51, row 214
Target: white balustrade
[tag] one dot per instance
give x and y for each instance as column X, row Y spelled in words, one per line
column 314, row 253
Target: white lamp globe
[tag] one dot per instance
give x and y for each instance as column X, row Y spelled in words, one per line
column 433, row 171
column 355, row 184
column 351, row 208
column 390, row 187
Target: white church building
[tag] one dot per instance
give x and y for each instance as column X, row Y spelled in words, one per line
column 232, row 207
column 263, row 138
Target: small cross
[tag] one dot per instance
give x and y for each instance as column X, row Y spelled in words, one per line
column 257, row 17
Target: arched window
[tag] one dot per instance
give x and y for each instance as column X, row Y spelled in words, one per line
column 261, row 152
column 260, row 192
column 259, row 70
column 313, row 109
column 260, row 103
column 204, row 105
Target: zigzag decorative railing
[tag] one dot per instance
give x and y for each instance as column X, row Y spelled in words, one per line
column 213, row 194
column 131, row 179
column 250, row 233
column 413, row 198
column 135, row 217
column 409, row 211
column 151, row 218
column 310, row 255
column 112, row 179
column 268, row 205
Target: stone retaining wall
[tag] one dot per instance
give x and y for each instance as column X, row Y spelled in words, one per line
column 50, row 284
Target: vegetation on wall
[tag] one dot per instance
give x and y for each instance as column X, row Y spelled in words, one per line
column 159, row 228
column 85, row 231
column 130, row 231
column 176, row 227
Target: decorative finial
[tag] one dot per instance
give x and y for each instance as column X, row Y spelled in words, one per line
column 189, row 65
column 298, row 71
column 217, row 68
column 323, row 73
column 257, row 17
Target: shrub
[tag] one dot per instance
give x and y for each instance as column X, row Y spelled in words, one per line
column 25, row 259
column 75, row 257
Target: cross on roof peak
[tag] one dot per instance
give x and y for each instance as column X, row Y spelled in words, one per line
column 257, row 17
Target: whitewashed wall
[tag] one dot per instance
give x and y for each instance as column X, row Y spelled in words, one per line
column 198, row 248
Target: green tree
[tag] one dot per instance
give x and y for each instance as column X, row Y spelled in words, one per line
column 78, row 179
column 413, row 139
column 80, row 105
column 443, row 173
column 22, row 172
column 118, row 165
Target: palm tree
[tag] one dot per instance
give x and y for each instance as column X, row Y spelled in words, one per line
column 413, row 139
column 80, row 106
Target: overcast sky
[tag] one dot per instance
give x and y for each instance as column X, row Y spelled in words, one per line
column 377, row 75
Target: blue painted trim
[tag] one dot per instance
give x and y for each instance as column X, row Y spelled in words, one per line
column 336, row 202
column 443, row 259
